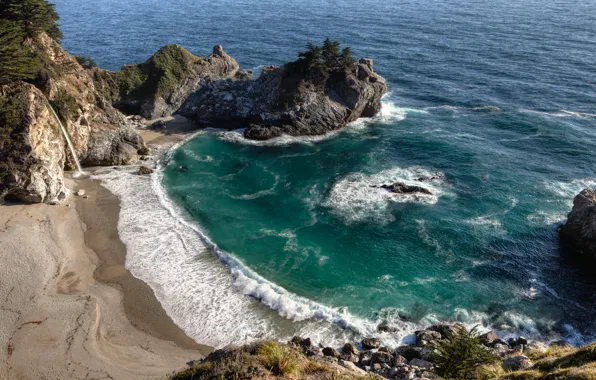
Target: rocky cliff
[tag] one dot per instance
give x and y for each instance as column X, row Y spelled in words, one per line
column 285, row 100
column 33, row 149
column 159, row 86
column 32, row 153
column 580, row 230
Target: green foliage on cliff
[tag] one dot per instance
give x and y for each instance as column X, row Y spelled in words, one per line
column 34, row 16
column 459, row 355
column 86, row 62
column 65, row 105
column 16, row 61
column 313, row 68
column 11, row 138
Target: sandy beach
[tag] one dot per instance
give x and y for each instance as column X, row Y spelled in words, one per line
column 70, row 309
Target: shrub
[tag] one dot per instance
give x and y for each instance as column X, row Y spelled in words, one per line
column 34, row 16
column 16, row 61
column 459, row 355
column 86, row 62
column 279, row 359
column 65, row 105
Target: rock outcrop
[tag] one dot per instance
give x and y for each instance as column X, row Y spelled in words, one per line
column 101, row 135
column 33, row 148
column 32, row 153
column 580, row 230
column 159, row 86
column 284, row 100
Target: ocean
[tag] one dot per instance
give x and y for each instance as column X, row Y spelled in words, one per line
column 494, row 103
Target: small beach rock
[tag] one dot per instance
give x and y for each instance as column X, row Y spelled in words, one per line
column 352, row 367
column 536, row 347
column 370, row 343
column 143, row 170
column 426, row 337
column 81, row 192
column 410, row 352
column 350, row 348
column 446, row 330
column 381, row 357
column 330, row 351
column 488, row 338
column 516, row 363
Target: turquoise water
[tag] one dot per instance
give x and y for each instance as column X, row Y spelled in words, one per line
column 496, row 99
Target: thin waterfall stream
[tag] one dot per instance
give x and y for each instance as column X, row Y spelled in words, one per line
column 70, row 146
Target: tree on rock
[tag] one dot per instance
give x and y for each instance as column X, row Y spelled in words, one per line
column 34, row 16
column 16, row 61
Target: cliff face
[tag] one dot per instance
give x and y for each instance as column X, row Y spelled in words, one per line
column 100, row 134
column 32, row 148
column 580, row 230
column 283, row 102
column 159, row 86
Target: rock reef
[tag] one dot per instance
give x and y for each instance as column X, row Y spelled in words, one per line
column 579, row 232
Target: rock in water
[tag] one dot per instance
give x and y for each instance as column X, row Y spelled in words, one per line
column 580, row 230
column 143, row 170
column 167, row 78
column 288, row 100
column 32, row 154
column 402, row 188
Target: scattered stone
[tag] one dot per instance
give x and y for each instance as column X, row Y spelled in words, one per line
column 410, row 352
column 330, row 351
column 351, row 366
column 387, row 349
column 365, row 357
column 426, row 337
column 537, row 347
column 81, row 192
column 421, row 363
column 400, row 360
column 386, row 327
column 370, row 343
column 381, row 357
column 517, row 363
column 488, row 338
column 376, row 367
column 85, row 197
column 143, row 170
column 350, row 348
column 446, row 330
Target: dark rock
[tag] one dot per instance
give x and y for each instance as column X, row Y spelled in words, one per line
column 410, row 352
column 370, row 343
column 400, row 360
column 350, row 357
column 446, row 330
column 301, row 342
column 386, row 327
column 381, row 357
column 516, row 363
column 287, row 101
column 579, row 233
column 143, row 170
column 330, row 351
column 488, row 338
column 522, row 341
column 387, row 349
column 402, row 188
column 349, row 348
column 365, row 357
column 426, row 337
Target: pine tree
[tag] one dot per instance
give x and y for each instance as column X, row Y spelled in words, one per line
column 331, row 53
column 35, row 16
column 16, row 61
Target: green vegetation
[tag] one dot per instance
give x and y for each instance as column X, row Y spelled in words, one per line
column 65, row 105
column 16, row 61
column 279, row 359
column 86, row 62
column 313, row 69
column 33, row 16
column 459, row 355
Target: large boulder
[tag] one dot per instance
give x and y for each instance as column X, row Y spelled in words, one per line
column 580, row 230
column 159, row 86
column 288, row 101
column 32, row 147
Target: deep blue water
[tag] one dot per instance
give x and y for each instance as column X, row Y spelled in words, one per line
column 497, row 97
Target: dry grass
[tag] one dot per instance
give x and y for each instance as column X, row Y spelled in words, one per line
column 278, row 358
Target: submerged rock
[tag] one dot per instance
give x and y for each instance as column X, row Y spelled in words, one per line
column 370, row 343
column 580, row 230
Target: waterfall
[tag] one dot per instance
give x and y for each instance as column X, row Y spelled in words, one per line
column 65, row 133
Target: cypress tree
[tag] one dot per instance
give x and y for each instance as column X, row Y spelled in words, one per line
column 35, row 16
column 16, row 61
